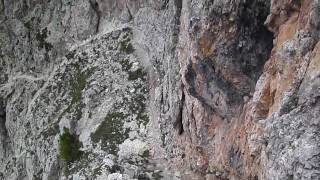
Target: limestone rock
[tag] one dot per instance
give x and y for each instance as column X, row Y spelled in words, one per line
column 160, row 89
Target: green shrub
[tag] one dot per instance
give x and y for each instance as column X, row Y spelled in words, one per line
column 69, row 146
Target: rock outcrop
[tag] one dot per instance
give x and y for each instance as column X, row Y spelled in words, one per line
column 160, row 89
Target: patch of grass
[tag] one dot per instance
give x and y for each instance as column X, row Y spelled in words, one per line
column 138, row 106
column 69, row 146
column 81, row 164
column 78, row 85
column 134, row 75
column 126, row 64
column 111, row 132
column 126, row 46
column 138, row 103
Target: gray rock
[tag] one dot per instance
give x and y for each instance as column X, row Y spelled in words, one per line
column 159, row 89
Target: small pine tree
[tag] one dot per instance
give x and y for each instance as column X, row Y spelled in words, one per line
column 69, row 146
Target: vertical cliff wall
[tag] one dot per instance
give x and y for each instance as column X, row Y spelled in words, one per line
column 243, row 68
column 159, row 89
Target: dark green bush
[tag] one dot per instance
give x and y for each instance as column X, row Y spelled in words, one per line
column 69, row 146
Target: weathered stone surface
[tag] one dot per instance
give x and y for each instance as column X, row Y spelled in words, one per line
column 160, row 89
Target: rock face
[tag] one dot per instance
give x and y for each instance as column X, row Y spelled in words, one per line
column 160, row 89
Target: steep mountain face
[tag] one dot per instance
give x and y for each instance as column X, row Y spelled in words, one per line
column 159, row 89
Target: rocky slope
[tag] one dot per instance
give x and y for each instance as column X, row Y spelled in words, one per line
column 160, row 89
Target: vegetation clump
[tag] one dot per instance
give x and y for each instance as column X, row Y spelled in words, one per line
column 126, row 65
column 78, row 85
column 126, row 46
column 69, row 147
column 134, row 75
column 111, row 132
